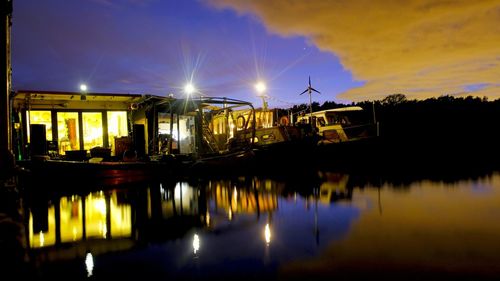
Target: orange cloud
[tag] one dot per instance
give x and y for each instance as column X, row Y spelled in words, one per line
column 421, row 48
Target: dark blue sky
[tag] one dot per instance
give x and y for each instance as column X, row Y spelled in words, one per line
column 353, row 50
column 155, row 46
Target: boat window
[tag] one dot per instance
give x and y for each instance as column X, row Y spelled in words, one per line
column 117, row 127
column 92, row 130
column 68, row 132
column 186, row 134
column 40, row 117
column 268, row 137
column 321, row 121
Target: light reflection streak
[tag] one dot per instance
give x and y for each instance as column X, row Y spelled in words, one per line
column 89, row 264
column 196, row 243
column 267, row 234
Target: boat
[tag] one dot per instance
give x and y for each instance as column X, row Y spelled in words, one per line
column 338, row 136
column 156, row 137
column 199, row 133
column 345, row 124
column 59, row 174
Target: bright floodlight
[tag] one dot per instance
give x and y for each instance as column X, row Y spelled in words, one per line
column 189, row 89
column 83, row 87
column 260, row 87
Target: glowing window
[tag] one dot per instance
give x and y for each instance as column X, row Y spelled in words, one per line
column 268, row 137
column 92, row 130
column 68, row 131
column 117, row 127
column 40, row 117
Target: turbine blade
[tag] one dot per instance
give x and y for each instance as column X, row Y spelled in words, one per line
column 309, row 80
column 315, row 90
column 305, row 91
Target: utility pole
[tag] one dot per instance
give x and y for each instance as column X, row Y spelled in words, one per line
column 5, row 81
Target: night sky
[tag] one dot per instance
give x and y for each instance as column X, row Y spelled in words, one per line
column 353, row 50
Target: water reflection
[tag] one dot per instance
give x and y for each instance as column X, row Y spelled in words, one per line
column 196, row 243
column 89, row 264
column 267, row 234
column 258, row 225
column 78, row 217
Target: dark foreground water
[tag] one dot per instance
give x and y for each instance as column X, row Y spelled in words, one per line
column 333, row 226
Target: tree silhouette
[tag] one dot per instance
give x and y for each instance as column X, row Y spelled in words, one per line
column 394, row 99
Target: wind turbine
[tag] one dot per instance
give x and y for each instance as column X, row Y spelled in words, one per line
column 309, row 90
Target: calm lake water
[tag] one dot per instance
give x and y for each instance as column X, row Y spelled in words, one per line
column 335, row 226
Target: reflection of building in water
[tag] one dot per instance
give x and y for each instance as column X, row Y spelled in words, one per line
column 113, row 214
column 261, row 196
column 334, row 187
column 182, row 199
column 105, row 221
column 75, row 218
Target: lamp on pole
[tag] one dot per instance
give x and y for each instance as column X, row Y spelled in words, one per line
column 189, row 89
column 83, row 91
column 261, row 88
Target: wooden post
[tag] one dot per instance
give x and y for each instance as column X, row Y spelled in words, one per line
column 6, row 158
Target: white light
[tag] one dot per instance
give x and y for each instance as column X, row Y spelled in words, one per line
column 196, row 243
column 189, row 89
column 267, row 234
column 260, row 87
column 83, row 87
column 89, row 264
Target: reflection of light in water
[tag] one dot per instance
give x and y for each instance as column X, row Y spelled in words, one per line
column 230, row 214
column 100, row 205
column 235, row 194
column 89, row 264
column 178, row 189
column 103, row 229
column 267, row 234
column 208, row 218
column 196, row 243
column 42, row 239
column 74, row 233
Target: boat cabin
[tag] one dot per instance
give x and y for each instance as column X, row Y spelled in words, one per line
column 339, row 124
column 196, row 126
column 71, row 123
